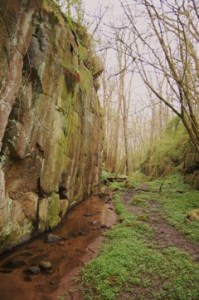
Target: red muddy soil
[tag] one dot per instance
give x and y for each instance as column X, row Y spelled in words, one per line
column 81, row 235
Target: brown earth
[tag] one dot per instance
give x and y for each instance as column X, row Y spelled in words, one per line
column 81, row 235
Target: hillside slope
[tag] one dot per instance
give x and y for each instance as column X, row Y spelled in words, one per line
column 173, row 152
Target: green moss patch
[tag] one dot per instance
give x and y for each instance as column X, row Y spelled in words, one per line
column 53, row 211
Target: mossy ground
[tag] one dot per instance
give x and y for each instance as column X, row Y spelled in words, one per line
column 177, row 200
column 168, row 152
column 131, row 266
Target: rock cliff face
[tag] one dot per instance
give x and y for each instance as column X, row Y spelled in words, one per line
column 50, row 119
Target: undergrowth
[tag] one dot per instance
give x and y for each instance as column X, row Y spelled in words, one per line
column 129, row 266
column 168, row 152
column 177, row 199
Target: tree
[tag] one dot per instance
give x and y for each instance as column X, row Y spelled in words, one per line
column 107, row 100
column 69, row 5
column 166, row 54
column 131, row 125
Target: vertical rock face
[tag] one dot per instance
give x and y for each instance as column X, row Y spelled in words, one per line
column 50, row 119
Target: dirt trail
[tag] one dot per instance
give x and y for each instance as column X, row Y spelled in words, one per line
column 81, row 234
column 165, row 234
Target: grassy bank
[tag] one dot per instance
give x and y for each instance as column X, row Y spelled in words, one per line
column 177, row 199
column 130, row 266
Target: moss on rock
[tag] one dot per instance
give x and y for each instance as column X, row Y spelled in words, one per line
column 52, row 143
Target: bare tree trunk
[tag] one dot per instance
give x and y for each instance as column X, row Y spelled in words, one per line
column 117, row 126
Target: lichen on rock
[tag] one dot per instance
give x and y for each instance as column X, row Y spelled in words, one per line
column 51, row 133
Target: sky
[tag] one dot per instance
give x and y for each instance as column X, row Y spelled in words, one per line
column 113, row 14
column 95, row 8
column 93, row 5
column 139, row 94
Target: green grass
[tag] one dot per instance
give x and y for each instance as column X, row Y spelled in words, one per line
column 140, row 201
column 104, row 175
column 117, row 186
column 128, row 261
column 138, row 178
column 177, row 199
column 169, row 151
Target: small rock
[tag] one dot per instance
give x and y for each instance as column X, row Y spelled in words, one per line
column 111, row 208
column 61, row 243
column 82, row 233
column 87, row 215
column 52, row 238
column 94, row 223
column 52, row 282
column 45, row 265
column 34, row 270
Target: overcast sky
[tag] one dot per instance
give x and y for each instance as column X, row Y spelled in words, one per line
column 113, row 14
column 92, row 5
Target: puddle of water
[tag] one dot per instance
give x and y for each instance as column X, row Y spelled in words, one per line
column 81, row 234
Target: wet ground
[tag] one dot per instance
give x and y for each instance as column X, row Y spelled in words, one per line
column 81, row 235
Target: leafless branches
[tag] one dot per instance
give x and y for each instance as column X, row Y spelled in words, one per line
column 163, row 40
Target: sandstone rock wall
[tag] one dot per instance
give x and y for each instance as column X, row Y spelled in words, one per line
column 50, row 118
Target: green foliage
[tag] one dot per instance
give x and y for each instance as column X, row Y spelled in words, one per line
column 119, row 208
column 112, row 185
column 138, row 177
column 169, row 151
column 128, row 261
column 117, row 186
column 53, row 211
column 85, row 41
column 69, row 5
column 140, row 201
column 104, row 175
column 173, row 125
column 177, row 200
column 112, row 268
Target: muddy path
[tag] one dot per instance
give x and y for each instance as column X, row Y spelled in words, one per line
column 165, row 235
column 80, row 237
